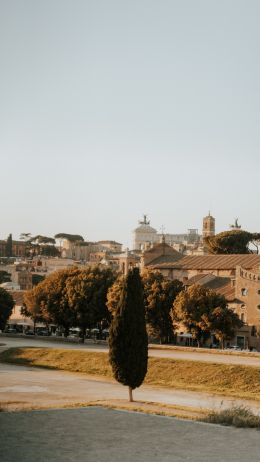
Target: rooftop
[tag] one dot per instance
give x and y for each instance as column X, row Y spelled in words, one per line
column 109, row 242
column 221, row 285
column 213, row 262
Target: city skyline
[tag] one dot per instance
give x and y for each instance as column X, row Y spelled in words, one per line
column 160, row 230
column 110, row 110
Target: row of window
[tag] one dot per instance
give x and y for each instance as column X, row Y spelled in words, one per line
column 244, row 292
column 243, row 307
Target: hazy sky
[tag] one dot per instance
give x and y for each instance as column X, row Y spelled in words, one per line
column 114, row 108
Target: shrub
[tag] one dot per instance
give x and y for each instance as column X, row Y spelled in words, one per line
column 236, row 416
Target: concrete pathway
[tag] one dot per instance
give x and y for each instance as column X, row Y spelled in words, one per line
column 104, row 435
column 24, row 387
column 231, row 358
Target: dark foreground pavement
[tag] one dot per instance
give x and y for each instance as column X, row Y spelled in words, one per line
column 103, row 435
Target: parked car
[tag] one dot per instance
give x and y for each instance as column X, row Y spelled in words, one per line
column 10, row 330
column 43, row 332
column 29, row 332
column 74, row 333
column 105, row 334
column 59, row 333
column 233, row 348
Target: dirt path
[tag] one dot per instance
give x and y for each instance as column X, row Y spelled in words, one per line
column 26, row 387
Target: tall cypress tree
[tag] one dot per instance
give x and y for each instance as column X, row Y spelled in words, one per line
column 9, row 246
column 128, row 342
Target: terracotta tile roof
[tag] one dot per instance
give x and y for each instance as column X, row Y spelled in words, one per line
column 221, row 285
column 165, row 259
column 217, row 282
column 166, row 249
column 213, row 262
column 196, row 279
column 228, row 291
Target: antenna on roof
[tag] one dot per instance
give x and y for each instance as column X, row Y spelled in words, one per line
column 162, row 229
column 163, row 235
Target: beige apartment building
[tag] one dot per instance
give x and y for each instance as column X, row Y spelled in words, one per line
column 81, row 251
column 237, row 277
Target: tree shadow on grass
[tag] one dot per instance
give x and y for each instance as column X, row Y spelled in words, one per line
column 16, row 356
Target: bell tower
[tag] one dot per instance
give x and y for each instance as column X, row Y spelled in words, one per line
column 208, row 226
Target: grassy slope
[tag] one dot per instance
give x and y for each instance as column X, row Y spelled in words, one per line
column 229, row 380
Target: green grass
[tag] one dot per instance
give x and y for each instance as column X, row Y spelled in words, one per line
column 237, row 416
column 224, row 379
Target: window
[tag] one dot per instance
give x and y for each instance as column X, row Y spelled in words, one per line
column 244, row 291
column 258, row 292
column 258, row 307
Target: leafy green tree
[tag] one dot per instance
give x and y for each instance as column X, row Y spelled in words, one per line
column 4, row 277
column 43, row 245
column 71, row 298
column 114, row 294
column 69, row 237
column 55, row 303
column 6, row 307
column 128, row 342
column 49, row 251
column 32, row 306
column 232, row 242
column 39, row 239
column 9, row 246
column 258, row 330
column 47, row 301
column 25, row 236
column 37, row 278
column 87, row 295
column 224, row 322
column 193, row 309
column 159, row 295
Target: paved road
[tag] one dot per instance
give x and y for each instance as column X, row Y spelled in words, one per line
column 105, row 435
column 36, row 387
column 175, row 354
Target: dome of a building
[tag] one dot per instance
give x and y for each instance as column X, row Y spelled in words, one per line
column 145, row 229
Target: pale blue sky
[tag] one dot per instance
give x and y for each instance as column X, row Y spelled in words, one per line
column 112, row 108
